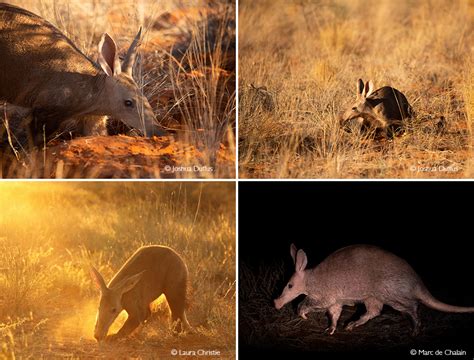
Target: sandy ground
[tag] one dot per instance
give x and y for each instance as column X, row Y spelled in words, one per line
column 123, row 156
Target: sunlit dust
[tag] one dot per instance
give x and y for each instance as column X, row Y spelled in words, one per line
column 79, row 324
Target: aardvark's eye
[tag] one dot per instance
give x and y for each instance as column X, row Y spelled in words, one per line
column 290, row 286
column 128, row 103
column 114, row 310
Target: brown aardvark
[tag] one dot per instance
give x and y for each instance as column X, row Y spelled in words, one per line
column 64, row 90
column 150, row 272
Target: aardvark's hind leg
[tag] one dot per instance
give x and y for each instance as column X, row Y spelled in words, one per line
column 373, row 307
column 411, row 309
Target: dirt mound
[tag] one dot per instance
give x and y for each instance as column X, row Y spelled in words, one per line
column 122, row 157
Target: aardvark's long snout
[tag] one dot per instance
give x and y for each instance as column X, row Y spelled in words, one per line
column 98, row 337
column 278, row 303
column 151, row 126
column 145, row 122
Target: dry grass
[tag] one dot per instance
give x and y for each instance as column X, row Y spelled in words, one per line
column 50, row 233
column 309, row 54
column 186, row 70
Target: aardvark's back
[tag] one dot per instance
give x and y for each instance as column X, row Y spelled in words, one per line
column 34, row 52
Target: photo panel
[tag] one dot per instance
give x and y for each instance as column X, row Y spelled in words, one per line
column 113, row 270
column 391, row 262
column 356, row 89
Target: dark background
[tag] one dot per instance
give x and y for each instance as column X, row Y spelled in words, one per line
column 429, row 224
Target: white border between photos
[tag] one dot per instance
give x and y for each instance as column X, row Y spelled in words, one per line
column 236, row 179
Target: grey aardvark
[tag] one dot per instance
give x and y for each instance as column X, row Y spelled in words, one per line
column 359, row 274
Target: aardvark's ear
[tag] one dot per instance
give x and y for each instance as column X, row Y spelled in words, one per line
column 131, row 56
column 98, row 279
column 369, row 88
column 108, row 56
column 128, row 283
column 360, row 88
column 301, row 261
column 293, row 251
